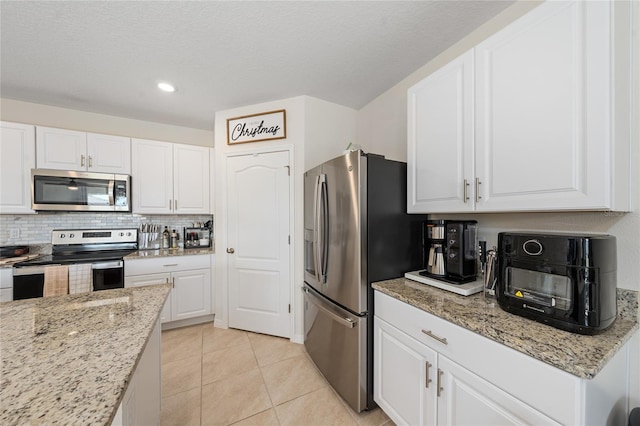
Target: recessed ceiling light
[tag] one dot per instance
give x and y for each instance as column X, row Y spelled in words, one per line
column 166, row 87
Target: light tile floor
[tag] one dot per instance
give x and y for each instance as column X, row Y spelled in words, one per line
column 213, row 376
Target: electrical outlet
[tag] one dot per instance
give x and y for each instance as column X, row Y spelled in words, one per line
column 14, row 233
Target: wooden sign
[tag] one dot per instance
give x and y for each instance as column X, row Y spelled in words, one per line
column 265, row 126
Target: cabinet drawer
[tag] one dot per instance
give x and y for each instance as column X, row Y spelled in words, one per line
column 165, row 264
column 506, row 368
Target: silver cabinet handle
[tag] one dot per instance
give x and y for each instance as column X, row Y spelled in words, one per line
column 170, row 204
column 175, row 204
column 170, row 264
column 439, row 384
column 465, row 190
column 81, row 160
column 478, row 196
column 433, row 336
column 230, row 250
column 90, row 162
column 427, row 379
column 173, row 282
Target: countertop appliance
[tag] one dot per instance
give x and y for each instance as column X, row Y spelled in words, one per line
column 356, row 232
column 64, row 190
column 450, row 249
column 102, row 249
column 566, row 281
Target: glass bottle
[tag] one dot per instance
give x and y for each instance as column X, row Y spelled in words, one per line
column 166, row 238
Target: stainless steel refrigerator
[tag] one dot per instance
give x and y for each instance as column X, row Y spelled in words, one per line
column 356, row 232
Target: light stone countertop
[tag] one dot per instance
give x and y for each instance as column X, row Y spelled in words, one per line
column 147, row 254
column 68, row 359
column 580, row 355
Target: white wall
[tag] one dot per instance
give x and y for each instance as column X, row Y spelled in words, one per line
column 329, row 130
column 382, row 126
column 316, row 130
column 64, row 118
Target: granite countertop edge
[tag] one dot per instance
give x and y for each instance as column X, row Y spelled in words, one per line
column 148, row 254
column 581, row 355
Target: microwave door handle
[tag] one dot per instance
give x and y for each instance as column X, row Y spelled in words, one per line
column 325, row 227
column 111, row 191
column 316, row 230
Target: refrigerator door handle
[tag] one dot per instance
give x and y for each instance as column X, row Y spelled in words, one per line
column 316, row 229
column 327, row 309
column 324, row 253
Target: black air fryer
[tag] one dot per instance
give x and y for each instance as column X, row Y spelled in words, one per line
column 566, row 281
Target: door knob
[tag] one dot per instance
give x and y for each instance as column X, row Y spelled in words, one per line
column 230, row 250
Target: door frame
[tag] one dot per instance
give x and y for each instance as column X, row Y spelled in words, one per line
column 221, row 292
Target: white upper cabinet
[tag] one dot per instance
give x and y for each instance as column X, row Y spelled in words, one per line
column 17, row 158
column 152, row 176
column 169, row 178
column 440, row 139
column 549, row 122
column 108, row 154
column 191, row 179
column 72, row 150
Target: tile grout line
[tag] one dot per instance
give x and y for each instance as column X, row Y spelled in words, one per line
column 273, row 407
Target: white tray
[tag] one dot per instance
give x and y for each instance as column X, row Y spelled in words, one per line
column 463, row 289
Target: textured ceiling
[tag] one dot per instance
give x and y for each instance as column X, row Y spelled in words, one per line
column 106, row 56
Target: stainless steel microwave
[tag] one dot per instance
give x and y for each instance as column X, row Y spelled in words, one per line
column 62, row 190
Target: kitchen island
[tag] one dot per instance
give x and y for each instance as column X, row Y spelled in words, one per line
column 71, row 359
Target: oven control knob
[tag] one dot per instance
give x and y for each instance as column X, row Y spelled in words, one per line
column 128, row 234
column 122, row 234
column 71, row 235
column 62, row 235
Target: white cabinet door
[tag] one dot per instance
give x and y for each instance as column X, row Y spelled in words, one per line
column 404, row 376
column 543, row 109
column 466, row 399
column 440, row 153
column 17, row 158
column 108, row 154
column 191, row 179
column 152, row 176
column 191, row 294
column 61, row 149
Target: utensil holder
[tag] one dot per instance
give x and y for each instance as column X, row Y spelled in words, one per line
column 149, row 240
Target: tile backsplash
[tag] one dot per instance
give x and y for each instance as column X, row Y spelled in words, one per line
column 36, row 228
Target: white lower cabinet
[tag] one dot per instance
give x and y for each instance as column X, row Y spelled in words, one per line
column 190, row 279
column 403, row 376
column 429, row 371
column 466, row 399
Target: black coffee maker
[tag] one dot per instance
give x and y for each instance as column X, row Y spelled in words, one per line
column 450, row 250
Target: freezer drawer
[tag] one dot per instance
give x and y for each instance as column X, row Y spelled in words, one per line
column 336, row 342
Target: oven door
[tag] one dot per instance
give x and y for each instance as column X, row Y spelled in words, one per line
column 108, row 275
column 28, row 282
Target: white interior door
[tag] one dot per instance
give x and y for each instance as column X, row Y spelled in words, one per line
column 258, row 242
